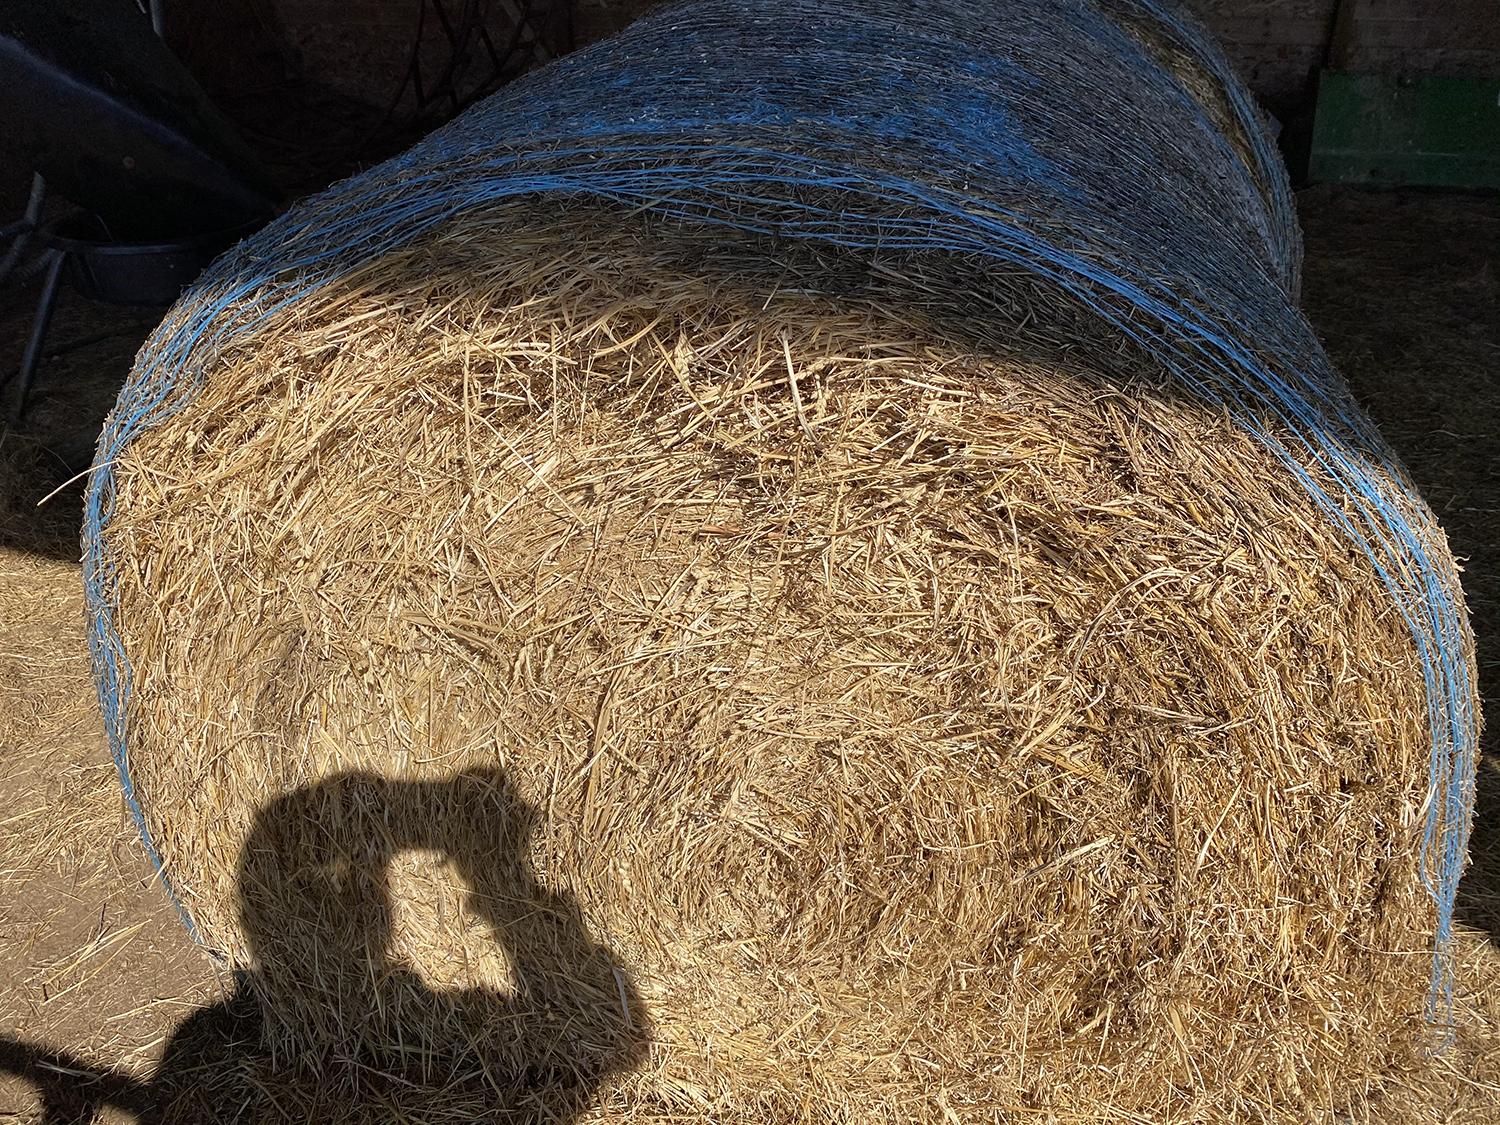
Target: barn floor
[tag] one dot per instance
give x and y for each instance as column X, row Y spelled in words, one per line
column 97, row 978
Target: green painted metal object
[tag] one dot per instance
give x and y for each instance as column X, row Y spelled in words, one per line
column 1382, row 129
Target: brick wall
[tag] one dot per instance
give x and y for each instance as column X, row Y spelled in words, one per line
column 1277, row 44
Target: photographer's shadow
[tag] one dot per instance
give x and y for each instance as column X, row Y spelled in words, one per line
column 332, row 1023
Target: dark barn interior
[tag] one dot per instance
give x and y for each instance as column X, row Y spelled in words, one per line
column 1387, row 114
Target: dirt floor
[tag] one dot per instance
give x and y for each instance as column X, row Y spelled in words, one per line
column 105, row 1002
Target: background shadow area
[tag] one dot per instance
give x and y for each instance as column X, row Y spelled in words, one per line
column 333, row 1023
column 1404, row 287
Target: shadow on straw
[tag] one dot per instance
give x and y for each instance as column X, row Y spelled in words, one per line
column 331, row 1026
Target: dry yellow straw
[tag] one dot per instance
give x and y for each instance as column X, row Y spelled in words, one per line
column 724, row 681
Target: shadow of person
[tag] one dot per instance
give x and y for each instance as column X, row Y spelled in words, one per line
column 332, row 1023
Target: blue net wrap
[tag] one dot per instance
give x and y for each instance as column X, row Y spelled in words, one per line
column 1104, row 146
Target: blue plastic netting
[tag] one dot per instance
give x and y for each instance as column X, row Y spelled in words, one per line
column 1103, row 145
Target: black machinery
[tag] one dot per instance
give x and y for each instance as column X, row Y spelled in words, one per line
column 109, row 119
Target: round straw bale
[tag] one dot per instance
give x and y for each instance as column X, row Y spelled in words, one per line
column 769, row 683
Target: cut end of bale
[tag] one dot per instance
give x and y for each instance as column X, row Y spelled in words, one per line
column 770, row 685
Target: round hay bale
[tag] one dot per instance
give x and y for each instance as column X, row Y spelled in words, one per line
column 693, row 638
